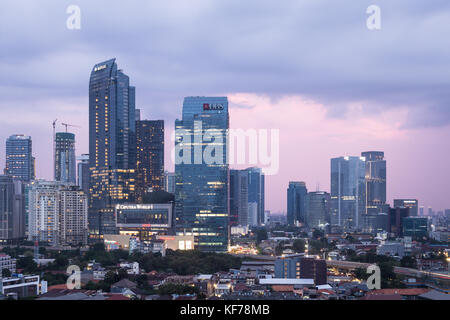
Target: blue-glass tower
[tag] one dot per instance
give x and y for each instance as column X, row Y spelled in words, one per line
column 112, row 145
column 296, row 202
column 19, row 158
column 202, row 172
column 348, row 196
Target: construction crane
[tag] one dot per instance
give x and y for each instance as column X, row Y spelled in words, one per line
column 69, row 125
column 54, row 144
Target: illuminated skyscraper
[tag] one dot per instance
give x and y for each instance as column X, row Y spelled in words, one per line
column 112, row 145
column 375, row 181
column 150, row 156
column 348, row 191
column 19, row 158
column 202, row 173
column 65, row 165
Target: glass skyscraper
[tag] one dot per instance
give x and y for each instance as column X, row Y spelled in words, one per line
column 239, row 203
column 202, row 172
column 112, row 145
column 348, row 192
column 296, row 202
column 256, row 185
column 317, row 209
column 150, row 156
column 375, row 181
column 19, row 158
column 65, row 163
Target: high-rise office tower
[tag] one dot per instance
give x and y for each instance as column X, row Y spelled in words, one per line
column 65, row 165
column 412, row 204
column 256, row 186
column 57, row 213
column 12, row 209
column 112, row 145
column 348, row 192
column 239, row 198
column 83, row 173
column 296, row 202
column 19, row 158
column 317, row 209
column 150, row 157
column 202, row 172
column 375, row 181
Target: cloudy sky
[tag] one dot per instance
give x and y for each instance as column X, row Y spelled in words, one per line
column 310, row 68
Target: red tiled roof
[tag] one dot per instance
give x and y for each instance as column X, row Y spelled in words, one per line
column 282, row 288
column 57, row 287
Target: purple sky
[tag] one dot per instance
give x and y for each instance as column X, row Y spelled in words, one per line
column 309, row 68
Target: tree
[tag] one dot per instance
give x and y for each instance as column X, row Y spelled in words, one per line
column 408, row 262
column 27, row 264
column 299, row 246
column 6, row 273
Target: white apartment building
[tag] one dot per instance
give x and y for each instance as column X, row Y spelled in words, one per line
column 6, row 262
column 57, row 213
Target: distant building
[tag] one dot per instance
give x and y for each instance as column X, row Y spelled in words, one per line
column 149, row 156
column 256, row 191
column 348, row 197
column 416, row 227
column 267, row 217
column 391, row 249
column 12, row 209
column 412, row 204
column 395, row 221
column 252, row 214
column 19, row 158
column 301, row 268
column 83, row 173
column 239, row 198
column 296, row 202
column 65, row 163
column 376, row 223
column 317, row 209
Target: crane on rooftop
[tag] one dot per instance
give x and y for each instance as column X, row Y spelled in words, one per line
column 70, row 125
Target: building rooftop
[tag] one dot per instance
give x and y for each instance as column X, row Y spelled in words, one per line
column 280, row 281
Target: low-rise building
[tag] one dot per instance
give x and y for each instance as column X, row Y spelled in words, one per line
column 6, row 262
column 21, row 286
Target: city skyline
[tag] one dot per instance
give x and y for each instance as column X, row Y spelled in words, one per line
column 329, row 113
